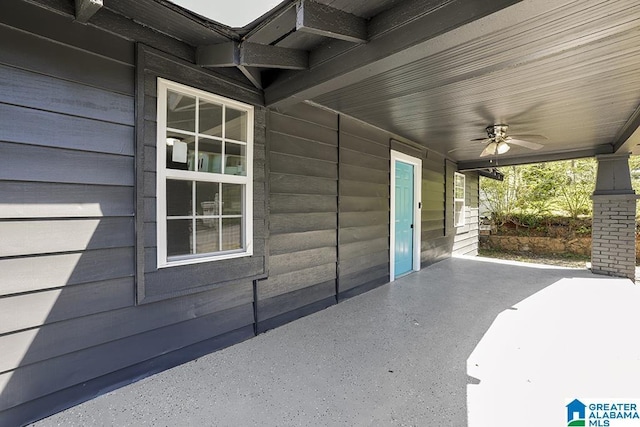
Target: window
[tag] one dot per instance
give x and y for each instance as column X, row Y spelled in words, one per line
column 204, row 176
column 458, row 199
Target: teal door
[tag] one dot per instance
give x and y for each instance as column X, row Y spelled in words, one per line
column 404, row 218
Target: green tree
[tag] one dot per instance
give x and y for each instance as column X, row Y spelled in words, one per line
column 560, row 188
column 501, row 197
column 576, row 186
column 538, row 188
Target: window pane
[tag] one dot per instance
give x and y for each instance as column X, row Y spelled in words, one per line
column 207, row 200
column 236, row 124
column 180, row 151
column 178, row 237
column 181, row 111
column 207, row 237
column 231, row 234
column 231, row 199
column 178, row 197
column 459, row 193
column 210, row 119
column 209, row 156
column 236, row 159
column 458, row 213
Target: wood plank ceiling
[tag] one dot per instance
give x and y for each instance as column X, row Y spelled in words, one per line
column 436, row 71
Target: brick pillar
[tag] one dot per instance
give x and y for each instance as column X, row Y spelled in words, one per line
column 613, row 247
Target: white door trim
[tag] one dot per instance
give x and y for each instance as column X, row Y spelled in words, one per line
column 417, row 198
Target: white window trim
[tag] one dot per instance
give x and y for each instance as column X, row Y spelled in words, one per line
column 417, row 216
column 161, row 176
column 462, row 220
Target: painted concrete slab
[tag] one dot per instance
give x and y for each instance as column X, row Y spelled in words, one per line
column 398, row 356
column 575, row 339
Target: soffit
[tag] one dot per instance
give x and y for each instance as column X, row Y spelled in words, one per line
column 570, row 72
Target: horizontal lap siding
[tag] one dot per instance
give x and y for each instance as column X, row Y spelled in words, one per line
column 67, row 259
column 303, row 154
column 363, row 245
column 66, row 203
column 436, row 244
column 466, row 238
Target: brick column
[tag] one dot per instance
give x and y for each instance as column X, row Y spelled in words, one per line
column 613, row 247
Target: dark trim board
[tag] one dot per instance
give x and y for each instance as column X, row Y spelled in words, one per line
column 64, row 399
column 366, row 287
column 290, row 316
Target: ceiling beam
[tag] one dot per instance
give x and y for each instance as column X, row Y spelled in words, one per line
column 316, row 18
column 246, row 54
column 275, row 28
column 85, row 9
column 629, row 136
column 492, row 173
column 218, row 55
column 493, row 162
column 267, row 56
column 253, row 74
column 409, row 34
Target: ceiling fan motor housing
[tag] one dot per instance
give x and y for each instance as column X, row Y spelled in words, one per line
column 498, row 131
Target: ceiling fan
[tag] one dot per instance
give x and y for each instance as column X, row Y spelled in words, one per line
column 498, row 140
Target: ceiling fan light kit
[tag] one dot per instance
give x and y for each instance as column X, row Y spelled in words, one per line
column 498, row 141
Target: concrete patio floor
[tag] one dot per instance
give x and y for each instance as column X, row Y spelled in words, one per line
column 465, row 335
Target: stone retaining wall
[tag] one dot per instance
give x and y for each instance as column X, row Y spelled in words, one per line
column 539, row 245
column 543, row 245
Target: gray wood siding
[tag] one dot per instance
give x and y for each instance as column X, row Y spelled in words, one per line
column 363, row 216
column 68, row 153
column 303, row 187
column 437, row 241
column 466, row 238
column 77, row 216
column 66, row 200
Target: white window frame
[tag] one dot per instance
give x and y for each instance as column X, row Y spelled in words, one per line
column 461, row 218
column 162, row 173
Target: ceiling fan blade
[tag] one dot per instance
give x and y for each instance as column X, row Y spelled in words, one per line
column 455, row 149
column 526, row 144
column 530, row 137
column 489, row 150
column 482, row 139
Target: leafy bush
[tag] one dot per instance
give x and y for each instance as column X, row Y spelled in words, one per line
column 560, row 188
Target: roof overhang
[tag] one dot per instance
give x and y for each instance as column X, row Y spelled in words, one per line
column 436, row 72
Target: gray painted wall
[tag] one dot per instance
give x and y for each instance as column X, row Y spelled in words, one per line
column 77, row 180
column 303, row 157
column 69, row 324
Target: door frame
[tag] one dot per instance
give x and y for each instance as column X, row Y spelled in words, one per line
column 417, row 199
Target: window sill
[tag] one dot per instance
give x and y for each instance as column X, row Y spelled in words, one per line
column 189, row 261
